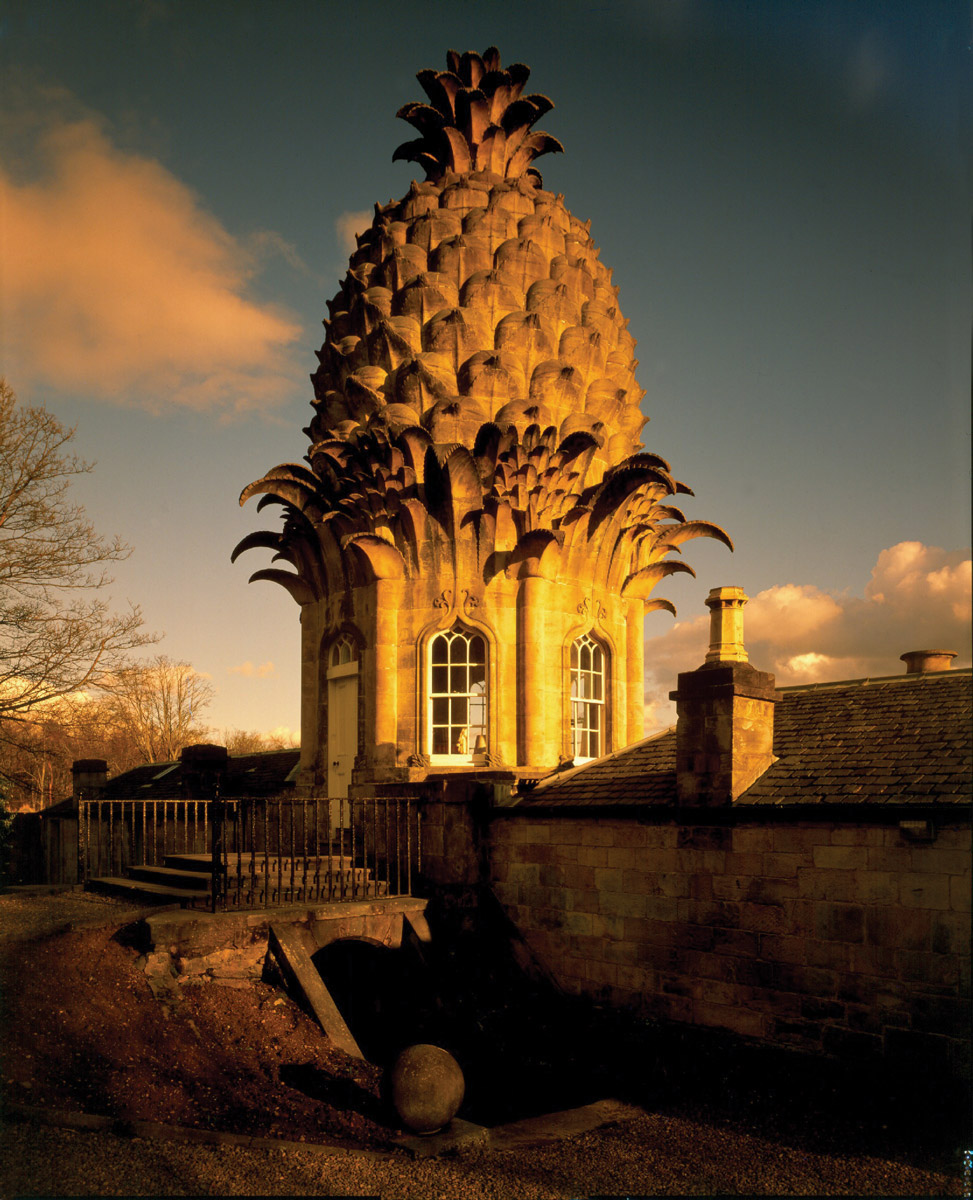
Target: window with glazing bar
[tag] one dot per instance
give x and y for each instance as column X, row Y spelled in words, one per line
column 457, row 705
column 588, row 662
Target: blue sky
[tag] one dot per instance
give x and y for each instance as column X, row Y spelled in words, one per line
column 781, row 188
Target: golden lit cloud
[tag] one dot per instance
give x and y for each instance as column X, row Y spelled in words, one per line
column 918, row 598
column 248, row 670
column 348, row 225
column 119, row 285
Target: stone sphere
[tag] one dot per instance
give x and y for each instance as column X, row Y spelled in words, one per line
column 426, row 1087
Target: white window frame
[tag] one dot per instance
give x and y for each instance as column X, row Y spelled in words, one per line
column 456, row 633
column 588, row 692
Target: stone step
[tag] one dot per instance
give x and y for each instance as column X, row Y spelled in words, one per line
column 168, row 877
column 113, row 885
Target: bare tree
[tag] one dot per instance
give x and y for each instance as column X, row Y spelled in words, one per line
column 250, row 741
column 58, row 633
column 157, row 705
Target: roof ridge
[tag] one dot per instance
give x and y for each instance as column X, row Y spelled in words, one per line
column 906, row 677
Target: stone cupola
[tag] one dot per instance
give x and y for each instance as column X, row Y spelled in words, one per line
column 476, row 531
column 725, row 711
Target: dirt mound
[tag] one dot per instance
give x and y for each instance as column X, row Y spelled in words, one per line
column 83, row 1032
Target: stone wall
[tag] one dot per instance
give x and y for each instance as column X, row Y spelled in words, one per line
column 845, row 938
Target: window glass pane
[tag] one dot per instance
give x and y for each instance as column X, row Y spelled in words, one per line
column 456, row 692
column 588, row 661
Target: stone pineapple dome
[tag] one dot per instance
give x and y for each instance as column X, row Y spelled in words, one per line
column 476, row 412
column 478, row 297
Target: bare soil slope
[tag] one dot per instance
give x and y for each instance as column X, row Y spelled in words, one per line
column 83, row 1033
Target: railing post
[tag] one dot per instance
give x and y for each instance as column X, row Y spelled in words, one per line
column 82, row 843
column 217, row 877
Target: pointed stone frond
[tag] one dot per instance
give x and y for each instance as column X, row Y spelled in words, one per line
column 388, row 506
column 477, row 120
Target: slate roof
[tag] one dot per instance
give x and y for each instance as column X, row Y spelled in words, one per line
column 263, row 774
column 906, row 739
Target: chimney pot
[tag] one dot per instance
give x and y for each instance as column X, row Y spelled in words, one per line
column 725, row 606
column 917, row 662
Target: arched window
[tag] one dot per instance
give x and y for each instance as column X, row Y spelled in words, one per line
column 457, row 705
column 587, row 698
column 344, row 651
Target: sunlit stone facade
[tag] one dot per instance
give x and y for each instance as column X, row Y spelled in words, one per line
column 474, row 471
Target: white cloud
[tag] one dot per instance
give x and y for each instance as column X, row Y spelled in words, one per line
column 119, row 285
column 248, row 670
column 918, row 598
column 349, row 224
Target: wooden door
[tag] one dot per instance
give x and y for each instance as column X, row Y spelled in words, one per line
column 342, row 732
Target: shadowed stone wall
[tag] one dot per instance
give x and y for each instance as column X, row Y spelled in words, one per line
column 845, row 938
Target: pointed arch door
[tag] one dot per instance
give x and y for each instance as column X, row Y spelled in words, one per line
column 342, row 714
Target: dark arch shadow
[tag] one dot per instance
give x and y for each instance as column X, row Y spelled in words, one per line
column 383, row 994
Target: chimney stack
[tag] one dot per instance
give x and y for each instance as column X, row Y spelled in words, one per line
column 201, row 767
column 917, row 662
column 88, row 779
column 725, row 726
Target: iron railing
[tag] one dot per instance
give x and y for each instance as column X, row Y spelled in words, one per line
column 258, row 852
column 114, row 835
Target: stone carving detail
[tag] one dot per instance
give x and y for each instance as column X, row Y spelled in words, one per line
column 470, row 602
column 585, row 607
column 444, row 599
column 418, row 760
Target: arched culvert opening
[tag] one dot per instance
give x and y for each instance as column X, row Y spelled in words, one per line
column 380, row 993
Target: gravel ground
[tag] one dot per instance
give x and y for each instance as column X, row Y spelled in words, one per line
column 649, row 1156
column 654, row 1154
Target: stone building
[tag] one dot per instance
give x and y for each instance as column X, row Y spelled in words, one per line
column 473, row 542
column 791, row 865
column 477, row 531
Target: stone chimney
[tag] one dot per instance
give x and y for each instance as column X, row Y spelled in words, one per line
column 202, row 766
column 917, row 662
column 88, row 779
column 725, row 726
